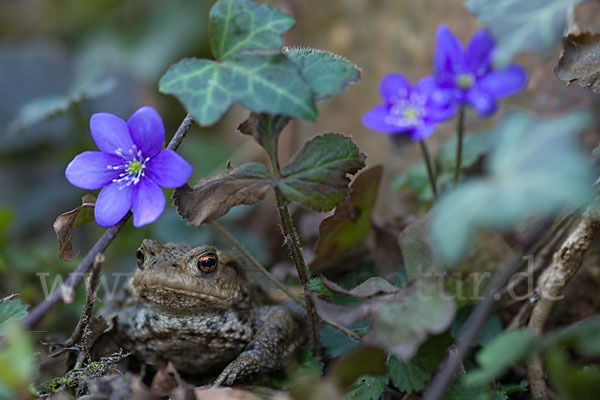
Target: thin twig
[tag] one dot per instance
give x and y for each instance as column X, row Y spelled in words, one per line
column 76, row 277
column 90, row 298
column 460, row 131
column 565, row 263
column 473, row 325
column 255, row 262
column 430, row 172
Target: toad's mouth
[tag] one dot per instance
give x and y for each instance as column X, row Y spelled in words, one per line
column 163, row 289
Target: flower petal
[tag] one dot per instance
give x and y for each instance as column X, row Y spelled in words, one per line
column 506, row 82
column 478, row 57
column 394, row 87
column 88, row 170
column 148, row 202
column 375, row 119
column 112, row 204
column 484, row 103
column 422, row 132
column 448, row 60
column 110, row 133
column 147, row 130
column 169, row 169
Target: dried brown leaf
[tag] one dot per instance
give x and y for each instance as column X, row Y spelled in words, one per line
column 213, row 197
column 65, row 223
column 368, row 288
column 580, row 61
column 351, row 221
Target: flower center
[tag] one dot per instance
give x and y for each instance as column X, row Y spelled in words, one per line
column 133, row 167
column 465, row 81
column 407, row 113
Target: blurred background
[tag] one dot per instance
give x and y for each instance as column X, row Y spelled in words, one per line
column 62, row 61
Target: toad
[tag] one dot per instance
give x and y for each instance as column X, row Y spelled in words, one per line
column 194, row 308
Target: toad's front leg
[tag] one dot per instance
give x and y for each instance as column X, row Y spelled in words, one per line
column 272, row 345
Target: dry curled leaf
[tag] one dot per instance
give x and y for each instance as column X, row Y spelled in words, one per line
column 580, row 61
column 368, row 288
column 213, row 197
column 351, row 221
column 65, row 223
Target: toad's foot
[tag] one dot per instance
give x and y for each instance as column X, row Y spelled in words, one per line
column 277, row 338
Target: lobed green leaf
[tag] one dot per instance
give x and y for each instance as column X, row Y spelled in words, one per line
column 263, row 83
column 326, row 73
column 317, row 176
column 242, row 25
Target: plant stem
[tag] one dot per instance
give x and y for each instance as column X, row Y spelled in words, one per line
column 291, row 239
column 293, row 242
column 255, row 262
column 430, row 173
column 460, row 130
column 76, row 277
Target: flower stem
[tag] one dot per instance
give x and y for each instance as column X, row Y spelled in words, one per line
column 291, row 239
column 460, row 128
column 255, row 262
column 293, row 242
column 76, row 277
column 429, row 166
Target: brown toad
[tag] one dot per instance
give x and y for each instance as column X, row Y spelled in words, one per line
column 193, row 307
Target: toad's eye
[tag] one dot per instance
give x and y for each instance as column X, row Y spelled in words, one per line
column 139, row 256
column 207, row 262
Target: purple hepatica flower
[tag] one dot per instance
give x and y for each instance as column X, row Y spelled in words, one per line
column 409, row 109
column 468, row 74
column 130, row 167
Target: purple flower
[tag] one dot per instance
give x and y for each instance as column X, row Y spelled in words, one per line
column 468, row 74
column 130, row 167
column 409, row 109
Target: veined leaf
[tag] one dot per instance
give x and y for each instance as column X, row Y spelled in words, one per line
column 242, row 25
column 326, row 73
column 317, row 176
column 263, row 83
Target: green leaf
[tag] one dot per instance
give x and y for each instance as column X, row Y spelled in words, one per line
column 336, row 343
column 584, row 335
column 343, row 231
column 406, row 376
column 43, row 108
column 367, row 388
column 326, row 73
column 500, row 354
column 263, row 83
column 11, row 310
column 16, row 361
column 242, row 25
column 317, row 285
column 491, row 328
column 317, row 176
column 535, row 167
column 415, row 177
column 402, row 324
column 571, row 381
column 519, row 25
